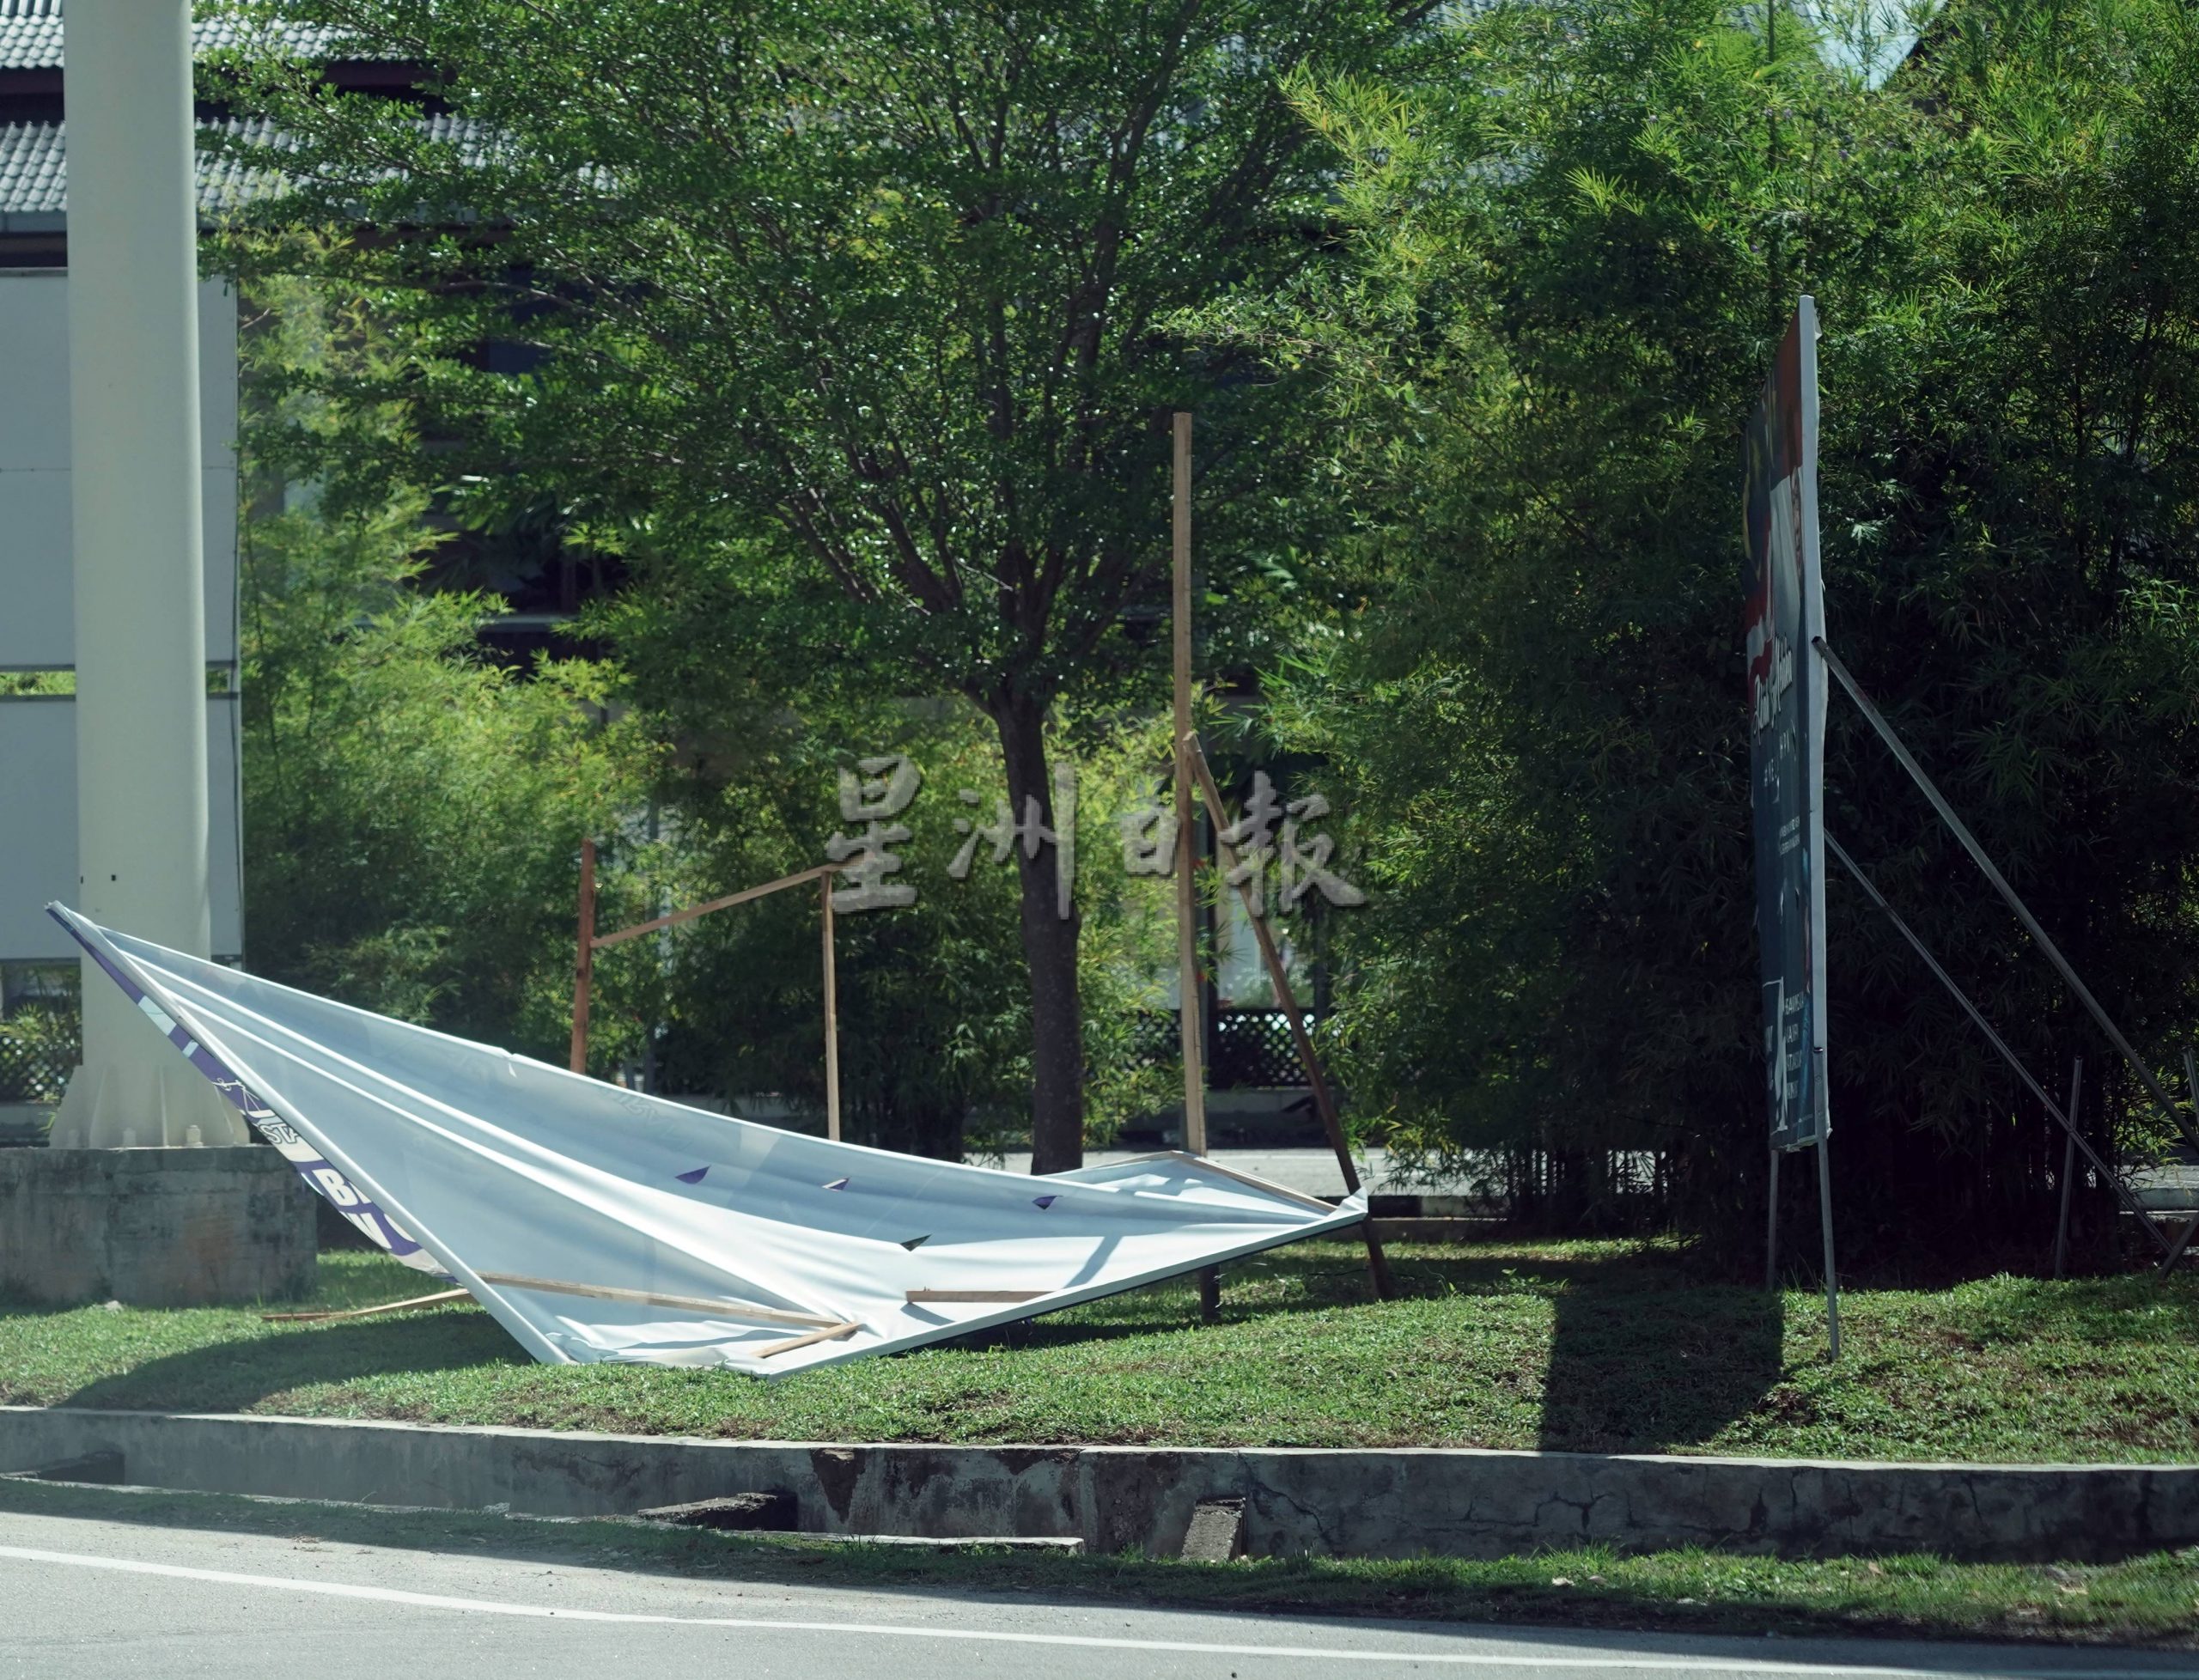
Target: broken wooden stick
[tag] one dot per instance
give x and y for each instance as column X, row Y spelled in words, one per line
column 443, row 1299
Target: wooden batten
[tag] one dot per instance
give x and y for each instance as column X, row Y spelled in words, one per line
column 717, row 1309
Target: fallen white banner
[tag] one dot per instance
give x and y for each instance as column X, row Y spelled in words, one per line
column 595, row 1223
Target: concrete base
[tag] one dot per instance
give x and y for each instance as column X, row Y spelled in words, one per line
column 154, row 1228
column 1341, row 1503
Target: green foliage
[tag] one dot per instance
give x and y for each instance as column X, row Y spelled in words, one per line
column 411, row 810
column 1570, row 274
column 933, row 1016
column 881, row 296
column 891, row 282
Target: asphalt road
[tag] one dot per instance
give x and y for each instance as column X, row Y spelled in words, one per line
column 84, row 1597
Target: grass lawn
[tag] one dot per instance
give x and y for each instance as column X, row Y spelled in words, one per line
column 2148, row 1600
column 1582, row 1346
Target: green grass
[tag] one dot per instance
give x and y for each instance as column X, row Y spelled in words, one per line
column 1592, row 1347
column 2151, row 1600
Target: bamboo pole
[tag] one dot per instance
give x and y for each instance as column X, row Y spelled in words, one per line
column 584, row 965
column 831, row 1017
column 1378, row 1264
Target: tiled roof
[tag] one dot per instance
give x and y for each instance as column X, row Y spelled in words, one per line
column 30, row 34
column 30, row 169
column 34, row 173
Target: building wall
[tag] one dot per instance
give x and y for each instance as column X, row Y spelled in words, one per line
column 38, row 785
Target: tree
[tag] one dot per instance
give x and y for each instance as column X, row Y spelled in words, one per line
column 889, row 293
column 1569, row 279
column 411, row 809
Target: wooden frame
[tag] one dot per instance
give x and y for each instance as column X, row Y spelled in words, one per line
column 444, row 1299
column 591, row 942
column 717, row 1309
column 989, row 1296
column 827, row 1333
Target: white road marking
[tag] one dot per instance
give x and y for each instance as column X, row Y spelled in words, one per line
column 894, row 1630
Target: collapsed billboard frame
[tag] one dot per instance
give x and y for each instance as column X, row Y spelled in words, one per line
column 596, row 1224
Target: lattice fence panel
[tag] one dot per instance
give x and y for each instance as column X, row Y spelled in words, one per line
column 1249, row 1048
column 32, row 1073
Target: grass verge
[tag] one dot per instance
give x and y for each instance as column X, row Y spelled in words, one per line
column 2152, row 1601
column 1578, row 1345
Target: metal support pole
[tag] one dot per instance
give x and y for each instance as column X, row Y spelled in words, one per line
column 1999, row 1043
column 2068, row 1170
column 1771, row 1228
column 1824, row 1219
column 584, row 963
column 2000, row 883
column 832, row 1019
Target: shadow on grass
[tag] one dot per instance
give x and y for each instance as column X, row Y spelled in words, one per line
column 236, row 1376
column 1636, row 1371
column 1284, row 1282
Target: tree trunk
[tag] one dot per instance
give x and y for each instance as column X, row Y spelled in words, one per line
column 1049, row 950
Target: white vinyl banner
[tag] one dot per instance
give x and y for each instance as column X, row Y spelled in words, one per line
column 595, row 1223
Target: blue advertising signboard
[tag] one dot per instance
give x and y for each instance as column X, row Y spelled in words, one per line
column 1784, row 614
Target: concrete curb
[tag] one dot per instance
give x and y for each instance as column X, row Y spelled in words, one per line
column 1400, row 1502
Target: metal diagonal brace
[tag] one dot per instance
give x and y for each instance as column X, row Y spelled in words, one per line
column 1977, row 855
column 2107, row 1174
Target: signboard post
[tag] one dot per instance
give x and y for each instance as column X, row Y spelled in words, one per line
column 1784, row 622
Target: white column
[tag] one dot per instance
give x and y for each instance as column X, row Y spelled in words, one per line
column 140, row 580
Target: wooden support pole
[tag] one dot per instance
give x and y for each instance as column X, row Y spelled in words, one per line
column 831, row 1017
column 1190, row 993
column 584, row 965
column 1187, row 906
column 1378, row 1264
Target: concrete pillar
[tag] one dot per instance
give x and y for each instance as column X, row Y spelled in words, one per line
column 140, row 582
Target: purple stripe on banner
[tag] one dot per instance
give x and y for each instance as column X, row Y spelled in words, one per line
column 324, row 1179
column 694, row 1178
